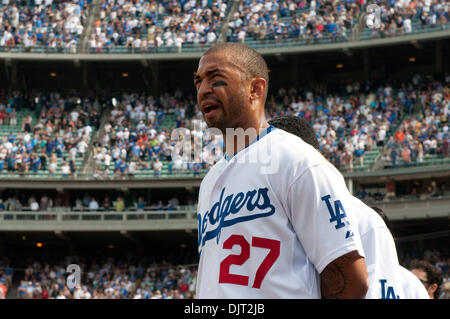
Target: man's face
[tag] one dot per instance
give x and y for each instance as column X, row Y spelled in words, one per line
column 421, row 274
column 221, row 91
column 423, row 277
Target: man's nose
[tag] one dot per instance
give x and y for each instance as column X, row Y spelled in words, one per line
column 204, row 90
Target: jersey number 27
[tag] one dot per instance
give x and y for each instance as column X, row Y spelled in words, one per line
column 274, row 252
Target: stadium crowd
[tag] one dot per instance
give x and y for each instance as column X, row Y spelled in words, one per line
column 145, row 26
column 169, row 278
column 362, row 118
column 90, row 203
column 142, row 133
column 398, row 17
column 50, row 138
column 108, row 278
column 348, row 124
column 425, row 135
column 54, row 25
column 292, row 19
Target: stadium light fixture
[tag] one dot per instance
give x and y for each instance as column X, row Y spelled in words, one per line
column 24, row 237
column 53, row 74
column 412, row 59
column 110, row 246
column 339, row 66
column 124, row 75
column 39, row 245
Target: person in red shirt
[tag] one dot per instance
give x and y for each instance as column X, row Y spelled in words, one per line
column 3, row 290
column 400, row 136
column 45, row 293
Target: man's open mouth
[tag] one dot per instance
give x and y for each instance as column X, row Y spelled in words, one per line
column 210, row 108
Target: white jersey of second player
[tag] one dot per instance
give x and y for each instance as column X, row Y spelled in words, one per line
column 270, row 219
column 412, row 286
column 385, row 280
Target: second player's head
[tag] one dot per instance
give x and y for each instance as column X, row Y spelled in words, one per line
column 232, row 82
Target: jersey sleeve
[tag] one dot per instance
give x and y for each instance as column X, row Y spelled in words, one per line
column 319, row 207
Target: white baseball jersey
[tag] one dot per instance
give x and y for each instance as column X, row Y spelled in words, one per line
column 412, row 286
column 383, row 268
column 270, row 219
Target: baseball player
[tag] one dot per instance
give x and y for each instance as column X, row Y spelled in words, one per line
column 386, row 276
column 282, row 233
column 412, row 286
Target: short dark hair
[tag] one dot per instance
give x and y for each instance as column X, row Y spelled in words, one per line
column 298, row 126
column 383, row 216
column 434, row 274
column 247, row 58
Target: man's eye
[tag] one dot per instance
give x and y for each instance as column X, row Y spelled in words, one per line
column 219, row 83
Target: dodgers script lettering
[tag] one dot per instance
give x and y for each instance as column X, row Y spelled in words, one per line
column 232, row 209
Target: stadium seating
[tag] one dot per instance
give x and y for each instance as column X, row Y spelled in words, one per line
column 192, row 26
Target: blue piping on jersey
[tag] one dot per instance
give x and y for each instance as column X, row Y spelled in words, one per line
column 260, row 136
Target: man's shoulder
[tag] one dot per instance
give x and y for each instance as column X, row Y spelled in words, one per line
column 293, row 149
column 212, row 172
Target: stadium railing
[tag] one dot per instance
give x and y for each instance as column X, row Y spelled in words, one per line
column 408, row 208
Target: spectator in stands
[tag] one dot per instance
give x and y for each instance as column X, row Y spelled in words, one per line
column 159, row 206
column 394, row 157
column 361, row 193
column 34, row 205
column 3, row 290
column 444, row 150
column 93, row 205
column 107, row 204
column 157, row 167
column 169, row 206
column 406, row 155
column 65, row 169
column 35, row 163
column 430, row 276
column 78, row 205
column 140, row 204
column 53, row 165
column 119, row 204
column 86, row 200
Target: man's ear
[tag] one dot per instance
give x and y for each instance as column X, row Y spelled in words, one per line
column 257, row 88
column 432, row 288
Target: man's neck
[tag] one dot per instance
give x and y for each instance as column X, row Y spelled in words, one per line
column 237, row 139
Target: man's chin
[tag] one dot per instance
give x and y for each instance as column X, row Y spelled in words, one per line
column 216, row 125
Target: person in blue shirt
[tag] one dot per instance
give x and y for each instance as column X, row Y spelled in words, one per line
column 197, row 167
column 11, row 137
column 159, row 206
column 11, row 162
column 140, row 204
column 123, row 167
column 169, row 206
column 135, row 150
column 25, row 163
column 117, row 164
column 359, row 153
column 49, row 147
column 59, row 148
